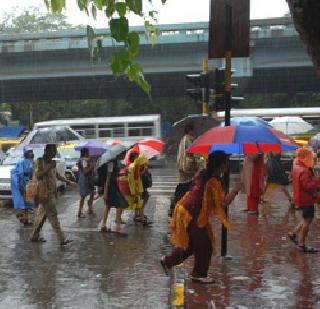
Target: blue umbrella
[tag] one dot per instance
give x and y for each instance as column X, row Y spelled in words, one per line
column 96, row 148
column 247, row 122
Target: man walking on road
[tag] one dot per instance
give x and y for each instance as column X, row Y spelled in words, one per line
column 45, row 169
column 187, row 164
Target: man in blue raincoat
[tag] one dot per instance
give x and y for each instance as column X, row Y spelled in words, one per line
column 20, row 175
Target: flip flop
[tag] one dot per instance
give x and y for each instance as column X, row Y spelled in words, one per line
column 307, row 249
column 104, row 229
column 40, row 239
column 206, row 280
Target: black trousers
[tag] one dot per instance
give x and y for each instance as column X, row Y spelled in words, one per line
column 199, row 246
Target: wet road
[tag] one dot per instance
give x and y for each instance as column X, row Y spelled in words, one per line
column 266, row 269
column 96, row 270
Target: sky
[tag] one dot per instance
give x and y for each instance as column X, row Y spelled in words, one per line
column 174, row 11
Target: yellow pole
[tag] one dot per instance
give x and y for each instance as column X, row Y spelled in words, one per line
column 205, row 103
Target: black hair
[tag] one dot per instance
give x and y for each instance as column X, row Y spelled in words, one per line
column 215, row 160
column 84, row 152
column 188, row 128
column 133, row 156
column 26, row 153
column 50, row 147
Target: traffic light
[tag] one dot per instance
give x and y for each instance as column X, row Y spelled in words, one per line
column 219, row 90
column 219, row 78
column 200, row 84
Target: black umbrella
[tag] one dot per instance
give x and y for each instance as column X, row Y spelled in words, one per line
column 201, row 124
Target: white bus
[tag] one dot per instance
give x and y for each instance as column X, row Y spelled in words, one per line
column 127, row 128
column 310, row 114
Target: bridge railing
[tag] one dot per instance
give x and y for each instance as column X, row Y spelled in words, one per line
column 170, row 34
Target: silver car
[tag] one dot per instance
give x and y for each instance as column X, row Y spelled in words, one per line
column 9, row 163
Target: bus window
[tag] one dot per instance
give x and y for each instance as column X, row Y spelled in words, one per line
column 118, row 132
column 134, row 132
column 147, row 131
column 104, row 133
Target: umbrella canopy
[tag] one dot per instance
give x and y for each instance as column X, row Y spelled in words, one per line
column 111, row 154
column 96, row 148
column 148, row 147
column 242, row 139
column 291, row 125
column 52, row 135
column 315, row 141
column 201, row 124
column 247, row 121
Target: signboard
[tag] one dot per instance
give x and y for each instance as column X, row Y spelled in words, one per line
column 240, row 28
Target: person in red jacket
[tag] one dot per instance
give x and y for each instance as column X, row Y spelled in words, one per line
column 305, row 188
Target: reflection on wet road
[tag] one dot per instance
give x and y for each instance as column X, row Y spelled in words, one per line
column 96, row 270
column 266, row 269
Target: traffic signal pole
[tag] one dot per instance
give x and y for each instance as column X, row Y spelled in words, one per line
column 205, row 89
column 227, row 100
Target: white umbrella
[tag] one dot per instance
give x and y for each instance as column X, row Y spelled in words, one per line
column 291, row 125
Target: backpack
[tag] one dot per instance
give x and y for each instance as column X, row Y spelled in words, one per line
column 146, row 179
column 101, row 175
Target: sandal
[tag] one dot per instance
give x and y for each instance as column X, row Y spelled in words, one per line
column 27, row 223
column 293, row 238
column 40, row 239
column 81, row 215
column 203, row 280
column 65, row 242
column 146, row 223
column 104, row 229
column 307, row 249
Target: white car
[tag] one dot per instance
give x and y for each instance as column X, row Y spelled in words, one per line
column 9, row 163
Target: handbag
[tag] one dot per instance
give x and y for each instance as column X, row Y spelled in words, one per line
column 36, row 192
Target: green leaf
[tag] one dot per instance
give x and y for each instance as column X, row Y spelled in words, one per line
column 94, row 11
column 90, row 37
column 120, row 62
column 83, row 5
column 57, row 5
column 99, row 4
column 110, row 9
column 134, row 71
column 135, row 74
column 135, row 6
column 119, row 28
column 121, row 8
column 133, row 43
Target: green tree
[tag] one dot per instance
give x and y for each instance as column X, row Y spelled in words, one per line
column 32, row 20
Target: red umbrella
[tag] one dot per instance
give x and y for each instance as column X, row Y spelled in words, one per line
column 242, row 139
column 150, row 147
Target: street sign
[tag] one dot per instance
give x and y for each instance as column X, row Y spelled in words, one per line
column 240, row 28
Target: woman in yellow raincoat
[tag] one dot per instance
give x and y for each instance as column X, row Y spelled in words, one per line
column 136, row 188
column 190, row 227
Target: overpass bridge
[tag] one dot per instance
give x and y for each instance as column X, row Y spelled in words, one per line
column 56, row 65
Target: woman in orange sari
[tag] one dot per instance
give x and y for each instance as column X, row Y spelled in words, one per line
column 190, row 227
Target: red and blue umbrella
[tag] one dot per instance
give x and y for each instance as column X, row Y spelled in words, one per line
column 242, row 140
column 248, row 121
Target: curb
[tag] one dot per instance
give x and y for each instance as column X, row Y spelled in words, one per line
column 178, row 288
